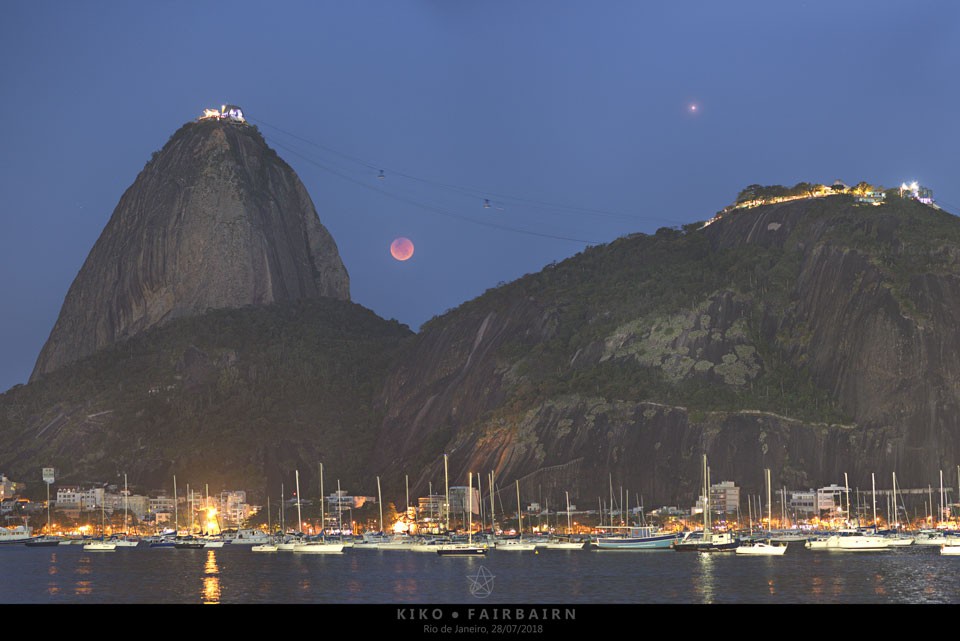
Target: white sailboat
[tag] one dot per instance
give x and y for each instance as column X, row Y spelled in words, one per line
column 316, row 546
column 763, row 548
column 518, row 544
column 125, row 541
column 102, row 545
column 467, row 549
column 708, row 541
column 566, row 543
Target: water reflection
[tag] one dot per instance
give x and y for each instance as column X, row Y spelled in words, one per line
column 816, row 587
column 53, row 570
column 406, row 587
column 84, row 587
column 707, row 566
column 211, row 579
column 879, row 589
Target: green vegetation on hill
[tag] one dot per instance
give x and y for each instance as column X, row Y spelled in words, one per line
column 653, row 293
column 227, row 397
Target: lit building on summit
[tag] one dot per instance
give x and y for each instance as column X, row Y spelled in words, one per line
column 231, row 113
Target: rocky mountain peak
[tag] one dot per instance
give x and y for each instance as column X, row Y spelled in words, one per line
column 215, row 220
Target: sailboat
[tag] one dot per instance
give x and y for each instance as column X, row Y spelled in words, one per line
column 321, row 545
column 518, row 544
column 468, row 548
column 102, row 545
column 764, row 548
column 125, row 541
column 708, row 541
column 637, row 537
column 566, row 543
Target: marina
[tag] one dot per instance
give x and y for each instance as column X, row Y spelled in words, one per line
column 237, row 574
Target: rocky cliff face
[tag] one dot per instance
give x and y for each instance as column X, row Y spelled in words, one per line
column 215, row 220
column 814, row 338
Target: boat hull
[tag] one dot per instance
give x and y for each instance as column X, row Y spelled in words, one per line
column 761, row 549
column 318, row 548
column 461, row 550
column 663, row 542
column 99, row 547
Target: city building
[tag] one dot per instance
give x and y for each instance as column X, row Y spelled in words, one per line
column 9, row 488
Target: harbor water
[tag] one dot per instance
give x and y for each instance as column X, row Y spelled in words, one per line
column 236, row 575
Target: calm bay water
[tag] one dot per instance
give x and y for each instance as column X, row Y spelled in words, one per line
column 235, row 575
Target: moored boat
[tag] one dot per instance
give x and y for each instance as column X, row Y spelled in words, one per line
column 318, row 547
column 99, row 546
column 638, row 538
column 19, row 534
column 515, row 545
column 761, row 548
column 249, row 536
column 461, row 549
column 849, row 542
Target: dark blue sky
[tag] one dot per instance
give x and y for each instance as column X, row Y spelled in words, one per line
column 572, row 118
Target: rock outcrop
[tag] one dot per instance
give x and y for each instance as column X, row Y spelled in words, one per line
column 215, row 220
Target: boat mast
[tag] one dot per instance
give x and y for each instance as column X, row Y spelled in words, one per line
column 125, row 494
column 283, row 505
column 611, row 500
column 480, row 494
column 896, row 512
column 492, row 506
column 846, row 486
column 470, row 509
column 299, row 515
column 380, row 503
column 769, row 504
column 446, row 485
column 706, row 501
column 323, row 524
column 519, row 511
column 873, row 493
column 176, row 508
column 783, row 507
column 406, row 508
column 942, row 499
column 339, row 510
column 569, row 529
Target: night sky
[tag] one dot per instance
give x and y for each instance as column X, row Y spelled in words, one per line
column 577, row 122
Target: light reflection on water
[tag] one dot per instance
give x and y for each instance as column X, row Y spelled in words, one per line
column 239, row 576
column 705, row 563
column 211, row 579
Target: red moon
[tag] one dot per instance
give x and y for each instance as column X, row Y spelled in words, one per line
column 401, row 248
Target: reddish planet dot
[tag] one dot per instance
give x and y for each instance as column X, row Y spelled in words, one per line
column 401, row 248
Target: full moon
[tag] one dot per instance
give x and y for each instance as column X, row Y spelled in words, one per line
column 401, row 248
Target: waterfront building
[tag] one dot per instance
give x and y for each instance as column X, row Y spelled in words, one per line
column 8, row 488
column 803, row 502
